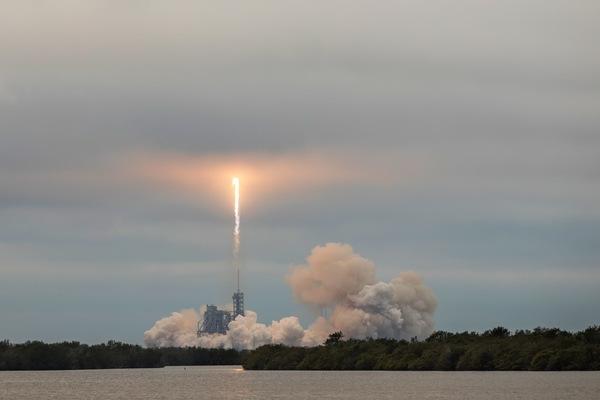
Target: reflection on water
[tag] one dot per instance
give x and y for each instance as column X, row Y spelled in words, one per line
column 235, row 383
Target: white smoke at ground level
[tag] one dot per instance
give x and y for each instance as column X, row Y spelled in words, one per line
column 336, row 278
column 245, row 332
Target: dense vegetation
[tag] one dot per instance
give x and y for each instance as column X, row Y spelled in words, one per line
column 496, row 349
column 74, row 355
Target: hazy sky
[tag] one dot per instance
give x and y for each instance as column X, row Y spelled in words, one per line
column 459, row 139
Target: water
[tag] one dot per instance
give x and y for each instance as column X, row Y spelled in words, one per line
column 234, row 383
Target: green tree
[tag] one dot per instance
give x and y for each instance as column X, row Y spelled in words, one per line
column 334, row 338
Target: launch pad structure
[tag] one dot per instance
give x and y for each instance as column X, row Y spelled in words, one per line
column 215, row 320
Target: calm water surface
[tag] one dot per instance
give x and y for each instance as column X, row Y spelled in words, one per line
column 235, row 383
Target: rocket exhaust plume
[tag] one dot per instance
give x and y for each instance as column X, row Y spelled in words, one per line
column 235, row 182
column 335, row 278
column 238, row 296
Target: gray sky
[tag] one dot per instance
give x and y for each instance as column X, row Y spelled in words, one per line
column 459, row 139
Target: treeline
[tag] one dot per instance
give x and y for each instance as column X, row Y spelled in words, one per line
column 498, row 349
column 37, row 355
column 541, row 349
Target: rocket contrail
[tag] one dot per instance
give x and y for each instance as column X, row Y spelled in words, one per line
column 235, row 182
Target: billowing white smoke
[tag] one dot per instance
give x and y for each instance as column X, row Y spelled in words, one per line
column 179, row 330
column 334, row 279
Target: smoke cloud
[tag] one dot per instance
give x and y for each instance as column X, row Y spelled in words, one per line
column 332, row 273
column 334, row 279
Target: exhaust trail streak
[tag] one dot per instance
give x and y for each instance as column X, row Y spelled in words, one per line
column 235, row 182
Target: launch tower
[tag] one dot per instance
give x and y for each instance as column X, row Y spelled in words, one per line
column 238, row 304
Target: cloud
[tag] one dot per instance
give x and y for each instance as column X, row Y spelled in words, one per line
column 380, row 126
column 334, row 278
